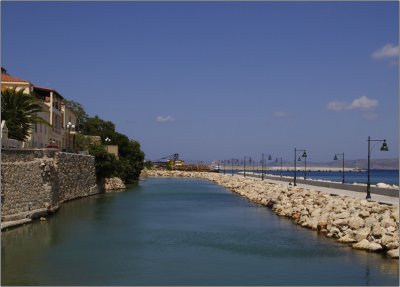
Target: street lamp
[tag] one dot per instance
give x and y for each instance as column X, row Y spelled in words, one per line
column 305, row 167
column 107, row 140
column 263, row 164
column 384, row 147
column 299, row 159
column 336, row 158
column 234, row 162
column 281, row 164
column 69, row 127
column 244, row 164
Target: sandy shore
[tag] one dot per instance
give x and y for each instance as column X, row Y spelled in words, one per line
column 357, row 222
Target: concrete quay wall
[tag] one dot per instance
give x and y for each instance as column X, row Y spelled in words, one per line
column 34, row 182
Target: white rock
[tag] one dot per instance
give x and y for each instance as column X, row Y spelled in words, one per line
column 374, row 246
column 362, row 233
column 356, row 222
column 394, row 253
column 365, row 244
column 346, row 239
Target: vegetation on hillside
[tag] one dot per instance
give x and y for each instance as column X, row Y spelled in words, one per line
column 130, row 162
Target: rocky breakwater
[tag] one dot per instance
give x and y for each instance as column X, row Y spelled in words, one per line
column 362, row 224
column 114, row 184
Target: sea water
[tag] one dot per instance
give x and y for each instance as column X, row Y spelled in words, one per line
column 180, row 232
column 390, row 177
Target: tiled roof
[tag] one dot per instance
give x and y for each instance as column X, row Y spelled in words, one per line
column 8, row 78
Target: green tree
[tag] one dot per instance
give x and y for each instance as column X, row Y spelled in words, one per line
column 131, row 157
column 130, row 150
column 148, row 164
column 95, row 126
column 20, row 110
column 82, row 143
column 80, row 113
column 107, row 164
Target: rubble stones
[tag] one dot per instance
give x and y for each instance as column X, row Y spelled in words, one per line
column 114, row 183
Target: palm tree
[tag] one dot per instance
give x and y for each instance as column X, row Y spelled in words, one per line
column 20, row 110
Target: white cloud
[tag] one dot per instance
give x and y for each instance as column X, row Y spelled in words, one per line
column 164, row 119
column 363, row 103
column 387, row 51
column 280, row 114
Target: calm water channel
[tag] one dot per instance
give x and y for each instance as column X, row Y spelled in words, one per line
column 180, row 232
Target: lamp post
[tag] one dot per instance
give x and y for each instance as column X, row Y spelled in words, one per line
column 336, row 158
column 305, row 168
column 224, row 162
column 244, row 164
column 299, row 159
column 263, row 164
column 384, row 147
column 107, row 140
column 69, row 127
column 281, row 164
column 234, row 163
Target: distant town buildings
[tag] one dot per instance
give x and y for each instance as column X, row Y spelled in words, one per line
column 59, row 134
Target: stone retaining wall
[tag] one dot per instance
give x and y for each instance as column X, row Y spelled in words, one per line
column 76, row 175
column 34, row 182
column 362, row 224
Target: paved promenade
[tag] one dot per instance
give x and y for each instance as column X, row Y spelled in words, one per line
column 329, row 190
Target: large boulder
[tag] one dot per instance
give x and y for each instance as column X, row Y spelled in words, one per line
column 377, row 231
column 390, row 241
column 356, row 222
column 361, row 234
column 394, row 253
column 366, row 245
column 363, row 244
column 114, row 183
column 340, row 222
column 346, row 239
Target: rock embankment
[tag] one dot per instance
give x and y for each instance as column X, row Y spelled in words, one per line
column 114, row 183
column 360, row 223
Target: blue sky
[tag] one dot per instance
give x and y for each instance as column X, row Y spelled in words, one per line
column 216, row 80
